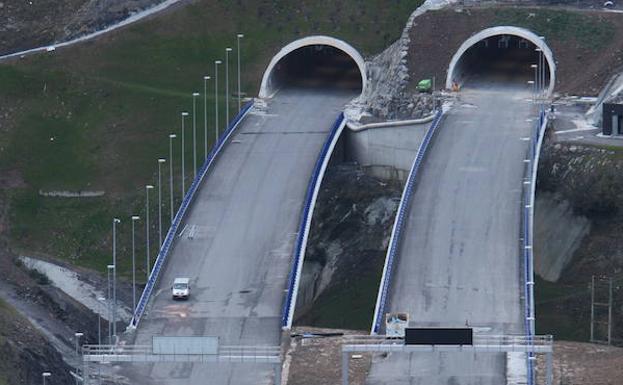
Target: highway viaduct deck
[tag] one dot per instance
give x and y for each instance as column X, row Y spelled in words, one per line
column 237, row 241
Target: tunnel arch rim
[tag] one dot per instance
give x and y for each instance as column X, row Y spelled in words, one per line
column 266, row 89
column 505, row 30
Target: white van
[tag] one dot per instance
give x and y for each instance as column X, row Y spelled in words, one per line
column 181, row 288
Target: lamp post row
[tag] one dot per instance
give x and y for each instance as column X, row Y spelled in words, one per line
column 110, row 302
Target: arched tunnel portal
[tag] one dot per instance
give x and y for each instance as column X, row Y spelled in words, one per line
column 509, row 55
column 318, row 62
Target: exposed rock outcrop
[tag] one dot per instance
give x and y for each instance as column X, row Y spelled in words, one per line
column 387, row 97
column 350, row 231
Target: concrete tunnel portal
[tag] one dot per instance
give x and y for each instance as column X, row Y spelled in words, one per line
column 317, row 62
column 502, row 55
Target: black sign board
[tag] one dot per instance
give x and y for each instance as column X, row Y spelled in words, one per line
column 439, row 336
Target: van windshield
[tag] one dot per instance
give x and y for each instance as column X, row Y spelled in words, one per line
column 180, row 286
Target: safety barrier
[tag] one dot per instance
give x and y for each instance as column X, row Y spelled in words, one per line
column 310, row 201
column 398, row 223
column 168, row 241
column 527, row 233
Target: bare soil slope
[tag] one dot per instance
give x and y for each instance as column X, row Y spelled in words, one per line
column 587, row 45
column 30, row 24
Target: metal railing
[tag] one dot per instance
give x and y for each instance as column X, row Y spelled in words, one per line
column 306, row 216
column 399, row 221
column 478, row 339
column 168, row 241
column 481, row 343
column 527, row 233
column 145, row 353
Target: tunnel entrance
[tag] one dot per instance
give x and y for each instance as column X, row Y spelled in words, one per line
column 504, row 58
column 316, row 62
column 503, row 55
column 318, row 66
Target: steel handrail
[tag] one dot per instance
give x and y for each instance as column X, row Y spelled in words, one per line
column 527, row 234
column 398, row 223
column 305, row 222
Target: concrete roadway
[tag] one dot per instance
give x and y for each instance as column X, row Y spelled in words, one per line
column 239, row 238
column 458, row 262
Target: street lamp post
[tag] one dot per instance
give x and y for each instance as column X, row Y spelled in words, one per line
column 45, row 375
column 77, row 339
column 195, row 94
column 227, row 51
column 542, row 64
column 110, row 269
column 147, row 259
column 100, row 300
column 184, row 115
column 171, row 137
column 115, row 221
column 216, row 63
column 240, row 36
column 160, row 162
column 134, row 219
column 536, row 82
column 540, row 85
column 205, row 117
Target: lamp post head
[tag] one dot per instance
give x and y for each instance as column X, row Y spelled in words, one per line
column 228, row 49
column 172, row 136
column 184, row 113
column 135, row 217
column 110, row 267
column 530, row 81
column 217, row 62
column 46, row 374
column 206, row 78
column 533, row 66
column 78, row 335
column 195, row 93
column 240, row 35
column 116, row 220
column 161, row 160
column 148, row 187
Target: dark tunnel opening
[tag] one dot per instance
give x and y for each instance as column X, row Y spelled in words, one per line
column 506, row 59
column 317, row 66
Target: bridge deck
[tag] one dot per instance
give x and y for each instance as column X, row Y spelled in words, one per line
column 238, row 242
column 459, row 258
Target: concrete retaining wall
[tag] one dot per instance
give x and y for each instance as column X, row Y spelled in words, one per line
column 386, row 152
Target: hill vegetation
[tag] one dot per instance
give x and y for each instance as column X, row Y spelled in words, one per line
column 96, row 116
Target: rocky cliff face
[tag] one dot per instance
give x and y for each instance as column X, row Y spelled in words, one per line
column 26, row 354
column 588, row 177
column 589, row 180
column 350, row 231
column 387, row 96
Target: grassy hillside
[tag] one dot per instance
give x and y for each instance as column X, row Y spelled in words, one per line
column 96, row 116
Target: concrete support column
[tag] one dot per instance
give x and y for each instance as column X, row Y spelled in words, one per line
column 278, row 374
column 549, row 368
column 85, row 372
column 344, row 368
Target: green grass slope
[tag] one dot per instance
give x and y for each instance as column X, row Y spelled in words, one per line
column 97, row 115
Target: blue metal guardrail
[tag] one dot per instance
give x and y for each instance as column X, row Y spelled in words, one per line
column 399, row 221
column 290, row 299
column 168, row 241
column 527, row 233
